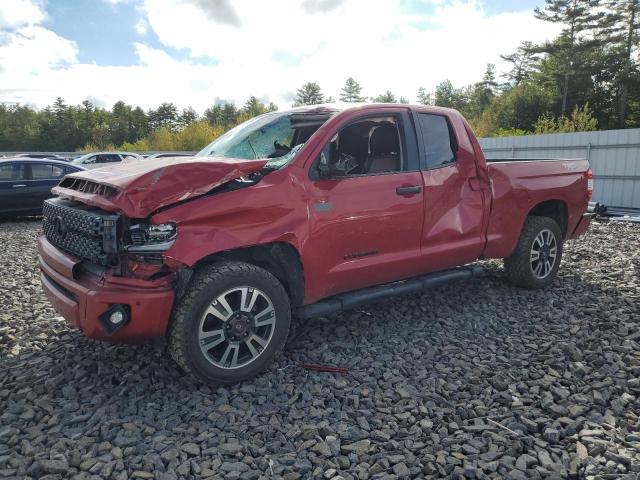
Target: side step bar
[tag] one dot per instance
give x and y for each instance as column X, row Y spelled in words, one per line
column 351, row 300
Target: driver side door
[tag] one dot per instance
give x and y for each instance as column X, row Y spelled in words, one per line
column 365, row 228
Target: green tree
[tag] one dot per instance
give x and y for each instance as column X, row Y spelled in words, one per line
column 482, row 93
column 309, row 94
column 120, row 122
column 351, row 92
column 139, row 124
column 166, row 115
column 386, row 97
column 621, row 26
column 424, row 97
column 229, row 115
column 577, row 17
column 517, row 108
column 187, row 117
column 254, row 107
column 446, row 95
column 524, row 61
column 580, row 120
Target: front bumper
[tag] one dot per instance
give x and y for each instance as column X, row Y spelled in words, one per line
column 81, row 298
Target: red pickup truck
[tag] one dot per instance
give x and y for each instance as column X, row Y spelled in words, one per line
column 304, row 212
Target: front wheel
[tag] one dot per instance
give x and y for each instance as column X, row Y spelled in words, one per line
column 231, row 323
column 536, row 260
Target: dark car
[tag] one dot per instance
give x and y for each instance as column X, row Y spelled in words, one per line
column 25, row 183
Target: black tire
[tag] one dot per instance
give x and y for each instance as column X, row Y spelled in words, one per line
column 519, row 268
column 204, row 292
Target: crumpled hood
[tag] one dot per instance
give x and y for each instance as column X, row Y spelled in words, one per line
column 138, row 188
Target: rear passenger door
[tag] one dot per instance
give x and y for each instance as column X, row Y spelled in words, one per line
column 454, row 205
column 14, row 193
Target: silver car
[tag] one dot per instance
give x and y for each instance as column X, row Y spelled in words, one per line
column 104, row 159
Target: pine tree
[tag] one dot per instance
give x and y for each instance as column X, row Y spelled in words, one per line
column 524, row 62
column 309, row 94
column 254, row 107
column 351, row 91
column 484, row 91
column 423, row 97
column 446, row 95
column 166, row 115
column 578, row 17
column 386, row 97
column 187, row 117
column 622, row 28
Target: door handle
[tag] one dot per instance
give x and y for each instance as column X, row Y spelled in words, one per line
column 408, row 190
column 20, row 185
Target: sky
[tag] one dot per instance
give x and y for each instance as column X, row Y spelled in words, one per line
column 202, row 52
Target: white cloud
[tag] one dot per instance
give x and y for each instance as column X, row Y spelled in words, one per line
column 34, row 50
column 142, row 27
column 269, row 52
column 15, row 13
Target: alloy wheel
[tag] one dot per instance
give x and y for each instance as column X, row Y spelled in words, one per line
column 236, row 327
column 543, row 253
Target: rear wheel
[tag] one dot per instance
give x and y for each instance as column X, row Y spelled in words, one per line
column 536, row 260
column 231, row 323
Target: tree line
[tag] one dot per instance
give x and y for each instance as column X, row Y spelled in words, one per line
column 586, row 78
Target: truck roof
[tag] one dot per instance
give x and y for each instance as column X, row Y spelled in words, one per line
column 337, row 107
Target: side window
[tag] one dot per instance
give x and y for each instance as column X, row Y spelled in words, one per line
column 113, row 158
column 10, row 172
column 437, row 138
column 42, row 171
column 90, row 160
column 366, row 147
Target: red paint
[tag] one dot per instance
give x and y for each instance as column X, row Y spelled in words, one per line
column 326, row 368
column 349, row 233
column 144, row 186
column 86, row 297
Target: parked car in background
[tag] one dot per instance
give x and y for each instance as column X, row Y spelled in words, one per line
column 25, row 183
column 168, row 154
column 51, row 156
column 102, row 159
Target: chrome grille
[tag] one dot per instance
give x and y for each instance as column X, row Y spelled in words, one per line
column 84, row 233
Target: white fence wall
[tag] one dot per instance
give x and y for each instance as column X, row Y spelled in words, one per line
column 614, row 156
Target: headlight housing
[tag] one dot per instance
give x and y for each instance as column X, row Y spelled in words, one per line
column 145, row 237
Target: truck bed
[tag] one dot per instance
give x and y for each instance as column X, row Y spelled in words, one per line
column 519, row 184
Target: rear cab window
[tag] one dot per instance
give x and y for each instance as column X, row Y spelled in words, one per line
column 438, row 140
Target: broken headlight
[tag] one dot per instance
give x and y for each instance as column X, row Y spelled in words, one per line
column 146, row 237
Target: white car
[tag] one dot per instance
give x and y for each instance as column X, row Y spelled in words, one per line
column 103, row 159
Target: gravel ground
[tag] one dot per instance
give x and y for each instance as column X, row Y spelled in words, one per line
column 477, row 380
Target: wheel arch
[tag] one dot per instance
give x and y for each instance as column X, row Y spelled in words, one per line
column 555, row 209
column 281, row 259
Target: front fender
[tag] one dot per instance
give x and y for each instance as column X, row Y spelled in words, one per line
column 274, row 210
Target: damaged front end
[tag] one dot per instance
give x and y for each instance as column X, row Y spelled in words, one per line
column 138, row 189
column 106, row 271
